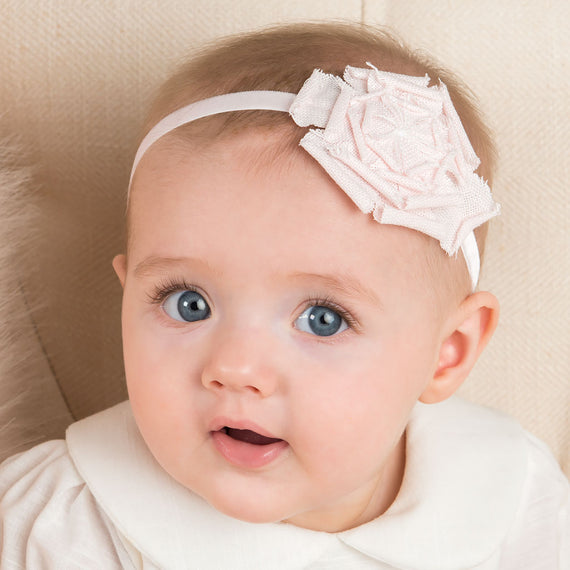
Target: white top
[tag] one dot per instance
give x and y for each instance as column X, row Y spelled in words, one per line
column 478, row 492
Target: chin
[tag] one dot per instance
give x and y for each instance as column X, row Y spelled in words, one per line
column 251, row 510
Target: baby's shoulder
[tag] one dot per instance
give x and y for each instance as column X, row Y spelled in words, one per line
column 40, row 471
column 48, row 516
column 485, row 476
column 541, row 461
column 539, row 536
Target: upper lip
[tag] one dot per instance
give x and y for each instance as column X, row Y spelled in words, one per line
column 220, row 422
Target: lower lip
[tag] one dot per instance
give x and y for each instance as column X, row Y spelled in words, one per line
column 244, row 454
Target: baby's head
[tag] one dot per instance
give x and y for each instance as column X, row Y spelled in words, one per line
column 276, row 338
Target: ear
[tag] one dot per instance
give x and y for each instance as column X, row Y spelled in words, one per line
column 120, row 267
column 467, row 332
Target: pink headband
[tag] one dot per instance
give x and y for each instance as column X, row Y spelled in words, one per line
column 394, row 145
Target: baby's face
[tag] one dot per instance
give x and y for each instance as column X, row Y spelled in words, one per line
column 275, row 338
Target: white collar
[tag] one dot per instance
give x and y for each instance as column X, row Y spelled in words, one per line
column 465, row 470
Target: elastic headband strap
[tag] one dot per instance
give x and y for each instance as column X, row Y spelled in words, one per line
column 242, row 101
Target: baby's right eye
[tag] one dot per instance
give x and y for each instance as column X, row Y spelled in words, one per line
column 186, row 306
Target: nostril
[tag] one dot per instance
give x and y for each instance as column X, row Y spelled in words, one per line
column 245, row 379
column 216, row 385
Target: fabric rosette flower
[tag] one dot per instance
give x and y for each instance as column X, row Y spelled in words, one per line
column 397, row 147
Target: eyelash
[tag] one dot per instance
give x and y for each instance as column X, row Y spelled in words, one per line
column 166, row 288
column 330, row 303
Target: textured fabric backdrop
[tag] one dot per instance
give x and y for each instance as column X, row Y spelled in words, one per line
column 76, row 78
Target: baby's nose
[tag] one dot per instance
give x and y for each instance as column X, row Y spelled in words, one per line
column 242, row 362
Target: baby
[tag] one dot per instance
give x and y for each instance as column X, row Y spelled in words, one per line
column 306, row 218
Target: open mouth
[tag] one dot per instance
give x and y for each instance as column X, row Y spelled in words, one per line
column 248, row 436
column 246, row 448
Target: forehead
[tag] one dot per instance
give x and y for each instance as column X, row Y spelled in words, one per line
column 257, row 204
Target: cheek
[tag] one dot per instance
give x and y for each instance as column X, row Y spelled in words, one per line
column 378, row 371
column 163, row 401
column 159, row 378
column 362, row 394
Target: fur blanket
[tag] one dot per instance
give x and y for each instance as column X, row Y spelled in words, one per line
column 32, row 408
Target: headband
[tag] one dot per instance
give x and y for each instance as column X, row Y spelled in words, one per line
column 395, row 145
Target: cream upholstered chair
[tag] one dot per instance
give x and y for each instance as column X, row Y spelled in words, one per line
column 76, row 79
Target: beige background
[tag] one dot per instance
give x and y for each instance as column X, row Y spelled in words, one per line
column 76, row 78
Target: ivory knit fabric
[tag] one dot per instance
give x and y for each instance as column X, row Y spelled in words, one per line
column 76, row 79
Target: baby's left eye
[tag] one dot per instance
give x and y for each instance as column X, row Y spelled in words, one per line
column 321, row 321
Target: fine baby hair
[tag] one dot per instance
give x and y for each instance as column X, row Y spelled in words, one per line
column 306, row 216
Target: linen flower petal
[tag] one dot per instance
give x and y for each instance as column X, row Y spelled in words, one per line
column 397, row 147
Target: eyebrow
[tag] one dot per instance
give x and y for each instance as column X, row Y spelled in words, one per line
column 342, row 284
column 155, row 264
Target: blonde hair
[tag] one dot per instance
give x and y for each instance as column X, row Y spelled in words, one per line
column 282, row 58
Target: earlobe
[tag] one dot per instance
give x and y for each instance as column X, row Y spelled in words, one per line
column 468, row 331
column 120, row 267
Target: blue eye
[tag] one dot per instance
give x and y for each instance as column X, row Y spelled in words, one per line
column 321, row 321
column 186, row 306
